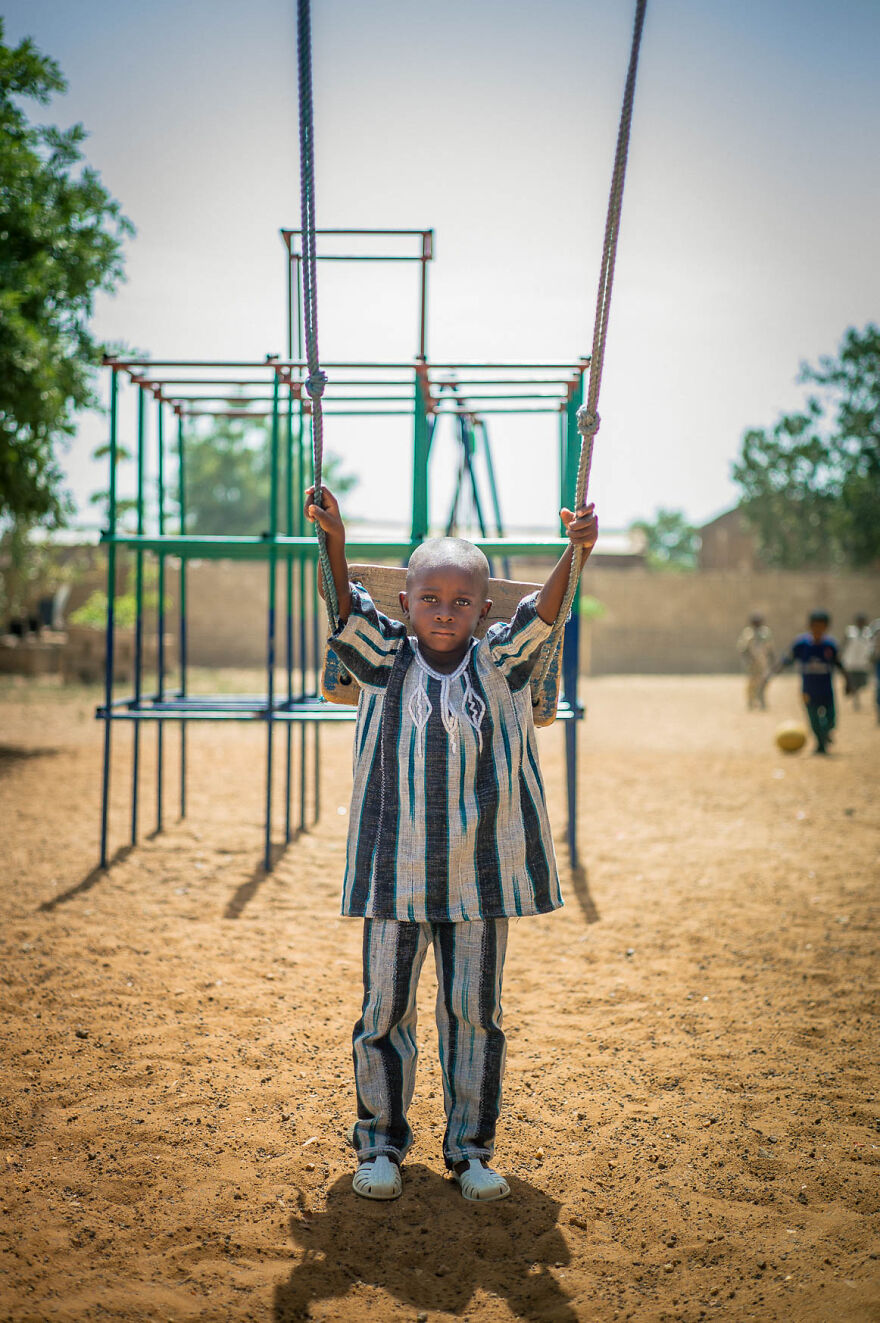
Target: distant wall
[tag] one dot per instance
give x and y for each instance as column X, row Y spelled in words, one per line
column 653, row 623
column 678, row 624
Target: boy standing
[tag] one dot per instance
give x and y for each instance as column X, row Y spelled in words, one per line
column 858, row 651
column 755, row 646
column 448, row 836
column 817, row 656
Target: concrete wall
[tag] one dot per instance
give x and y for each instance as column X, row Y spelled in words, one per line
column 654, row 622
column 667, row 624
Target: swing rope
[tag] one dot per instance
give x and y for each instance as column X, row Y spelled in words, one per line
column 588, row 414
column 316, row 379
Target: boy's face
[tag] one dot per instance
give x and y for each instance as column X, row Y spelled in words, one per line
column 818, row 629
column 445, row 603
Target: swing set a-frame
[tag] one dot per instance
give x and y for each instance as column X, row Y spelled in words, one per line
column 170, row 396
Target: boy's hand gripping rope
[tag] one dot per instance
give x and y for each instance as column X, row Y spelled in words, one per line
column 588, row 413
column 316, row 379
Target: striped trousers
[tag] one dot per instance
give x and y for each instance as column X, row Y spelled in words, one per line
column 469, row 958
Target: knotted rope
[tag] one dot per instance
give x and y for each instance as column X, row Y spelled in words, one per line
column 588, row 414
column 316, row 379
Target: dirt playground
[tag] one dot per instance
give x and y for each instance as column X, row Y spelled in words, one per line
column 691, row 1122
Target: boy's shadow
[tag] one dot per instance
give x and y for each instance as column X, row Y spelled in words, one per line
column 430, row 1249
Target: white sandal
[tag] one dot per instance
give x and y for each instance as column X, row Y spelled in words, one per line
column 481, row 1184
column 378, row 1178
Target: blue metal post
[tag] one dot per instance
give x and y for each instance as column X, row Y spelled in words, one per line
column 290, row 482
column 111, row 601
column 421, row 446
column 304, row 469
column 181, row 498
column 160, row 612
column 270, row 642
column 571, row 641
column 139, row 607
column 570, row 653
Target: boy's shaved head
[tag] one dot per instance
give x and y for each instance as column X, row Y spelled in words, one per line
column 450, row 553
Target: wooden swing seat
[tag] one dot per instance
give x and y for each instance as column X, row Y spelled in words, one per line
column 385, row 583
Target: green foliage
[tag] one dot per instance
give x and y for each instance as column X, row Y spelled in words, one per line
column 811, row 483
column 228, row 472
column 25, row 571
column 671, row 543
column 31, row 567
column 590, row 608
column 61, row 236
column 126, row 506
column 93, row 612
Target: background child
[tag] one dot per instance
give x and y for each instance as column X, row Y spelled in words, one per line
column 858, row 649
column 817, row 656
column 755, row 646
column 448, row 836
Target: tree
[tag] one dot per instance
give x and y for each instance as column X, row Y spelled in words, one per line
column 227, row 473
column 61, row 237
column 811, row 483
column 670, row 541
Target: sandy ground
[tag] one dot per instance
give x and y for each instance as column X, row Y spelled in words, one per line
column 691, row 1103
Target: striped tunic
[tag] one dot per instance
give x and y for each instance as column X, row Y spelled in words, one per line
column 448, row 818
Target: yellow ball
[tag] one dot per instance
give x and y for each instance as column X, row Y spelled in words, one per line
column 790, row 737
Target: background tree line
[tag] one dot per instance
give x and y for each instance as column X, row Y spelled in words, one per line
column 810, row 483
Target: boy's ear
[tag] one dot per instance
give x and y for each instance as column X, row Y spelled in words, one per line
column 486, row 608
column 404, row 603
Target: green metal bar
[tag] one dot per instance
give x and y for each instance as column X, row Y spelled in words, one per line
column 308, row 593
column 571, row 453
column 290, row 479
column 305, row 465
column 421, row 448
column 111, row 611
column 493, row 489
column 469, row 447
column 160, row 611
column 139, row 604
column 563, row 424
column 425, row 257
column 270, row 628
column 181, row 499
column 452, row 521
column 304, row 548
column 490, row 469
column 570, row 660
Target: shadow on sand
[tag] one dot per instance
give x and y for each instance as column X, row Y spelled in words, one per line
column 91, row 878
column 11, row 754
column 244, row 894
column 580, row 883
column 431, row 1250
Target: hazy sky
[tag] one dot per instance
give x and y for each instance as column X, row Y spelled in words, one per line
column 749, row 235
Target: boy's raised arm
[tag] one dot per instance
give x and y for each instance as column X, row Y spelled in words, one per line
column 330, row 519
column 582, row 529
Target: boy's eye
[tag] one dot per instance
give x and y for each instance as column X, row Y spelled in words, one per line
column 462, row 601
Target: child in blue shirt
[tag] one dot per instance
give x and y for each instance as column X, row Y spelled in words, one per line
column 817, row 657
column 448, row 836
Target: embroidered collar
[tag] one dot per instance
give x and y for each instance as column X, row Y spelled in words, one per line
column 472, row 709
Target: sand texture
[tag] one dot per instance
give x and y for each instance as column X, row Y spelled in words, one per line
column 691, row 1108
